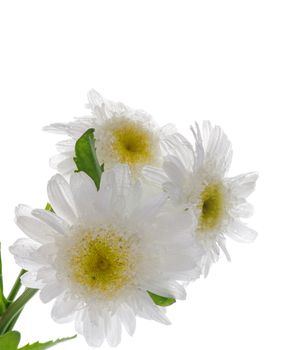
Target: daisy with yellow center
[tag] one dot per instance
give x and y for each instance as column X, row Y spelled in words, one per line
column 102, row 253
column 123, row 136
column 102, row 261
column 211, row 207
column 195, row 179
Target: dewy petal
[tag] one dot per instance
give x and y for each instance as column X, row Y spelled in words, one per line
column 29, row 280
column 93, row 333
column 51, row 291
column 61, row 198
column 148, row 310
column 119, row 180
column 31, row 226
column 23, row 250
column 64, row 309
column 85, row 195
column 115, row 188
column 128, row 318
column 52, row 220
column 113, row 330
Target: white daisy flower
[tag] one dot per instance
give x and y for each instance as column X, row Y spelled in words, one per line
column 101, row 253
column 123, row 135
column 195, row 178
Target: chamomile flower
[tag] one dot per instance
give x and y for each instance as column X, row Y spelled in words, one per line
column 196, row 180
column 123, row 135
column 102, row 251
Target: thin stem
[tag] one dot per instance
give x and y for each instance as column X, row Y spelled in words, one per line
column 16, row 287
column 14, row 309
column 2, row 298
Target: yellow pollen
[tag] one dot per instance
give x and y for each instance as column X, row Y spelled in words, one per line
column 102, row 262
column 133, row 144
column 212, row 207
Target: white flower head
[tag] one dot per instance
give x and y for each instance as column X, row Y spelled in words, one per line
column 196, row 180
column 102, row 251
column 123, row 135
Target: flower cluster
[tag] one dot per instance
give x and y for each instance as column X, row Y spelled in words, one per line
column 135, row 213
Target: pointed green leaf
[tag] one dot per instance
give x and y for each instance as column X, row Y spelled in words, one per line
column 85, row 157
column 48, row 207
column 10, row 341
column 161, row 301
column 47, row 345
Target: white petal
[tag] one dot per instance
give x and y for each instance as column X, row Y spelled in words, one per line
column 175, row 170
column 32, row 227
column 240, row 232
column 57, row 128
column 52, row 220
column 148, row 310
column 243, row 185
column 64, row 309
column 66, row 146
column 63, row 163
column 149, row 209
column 93, row 333
column 155, row 175
column 61, row 199
column 23, row 250
column 113, row 330
column 213, row 148
column 51, row 291
column 118, row 179
column 95, row 100
column 168, row 289
column 127, row 317
column 85, row 195
column 177, row 145
column 29, row 280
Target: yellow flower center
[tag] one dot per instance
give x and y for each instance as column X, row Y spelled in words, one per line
column 211, row 206
column 133, row 143
column 102, row 261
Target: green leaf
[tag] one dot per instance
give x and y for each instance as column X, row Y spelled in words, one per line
column 48, row 207
column 10, row 341
column 43, row 346
column 161, row 301
column 85, row 157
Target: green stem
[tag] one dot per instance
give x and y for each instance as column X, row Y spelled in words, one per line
column 2, row 298
column 14, row 321
column 15, row 308
column 16, row 287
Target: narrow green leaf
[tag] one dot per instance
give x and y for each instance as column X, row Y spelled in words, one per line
column 47, row 345
column 85, row 157
column 10, row 341
column 161, row 301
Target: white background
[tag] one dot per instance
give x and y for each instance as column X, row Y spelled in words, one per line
column 181, row 61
